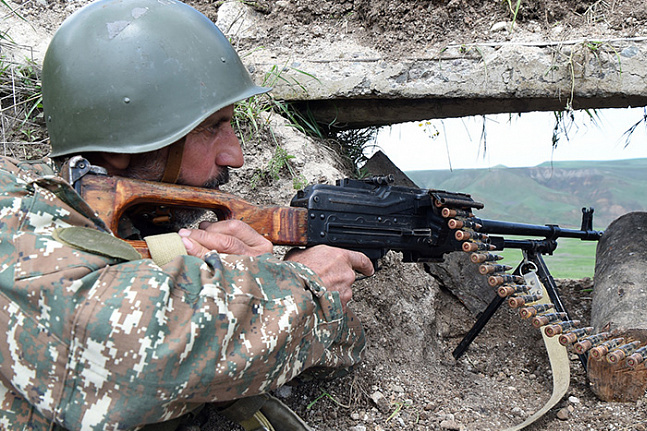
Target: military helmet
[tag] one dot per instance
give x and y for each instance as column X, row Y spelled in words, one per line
column 132, row 76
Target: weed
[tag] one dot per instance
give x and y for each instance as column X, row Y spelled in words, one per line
column 594, row 47
column 249, row 112
column 514, row 10
column 465, row 49
column 597, row 48
column 596, row 12
column 433, row 133
column 352, row 145
column 630, row 131
column 279, row 161
column 399, row 406
column 250, row 120
column 21, row 123
column 325, row 394
column 565, row 121
column 12, row 11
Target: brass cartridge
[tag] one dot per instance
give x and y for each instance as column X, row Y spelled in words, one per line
column 587, row 343
column 511, row 289
column 621, row 352
column 460, row 224
column 573, row 336
column 469, row 247
column 545, row 319
column 599, row 352
column 485, row 257
column 637, row 357
column 497, row 280
column 463, row 235
column 518, row 301
column 533, row 310
column 558, row 328
column 493, row 268
column 453, row 212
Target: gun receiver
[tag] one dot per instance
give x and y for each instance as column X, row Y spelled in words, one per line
column 374, row 217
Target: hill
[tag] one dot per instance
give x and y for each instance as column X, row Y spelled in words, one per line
column 549, row 193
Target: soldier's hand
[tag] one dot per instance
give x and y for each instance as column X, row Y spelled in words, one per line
column 335, row 266
column 227, row 236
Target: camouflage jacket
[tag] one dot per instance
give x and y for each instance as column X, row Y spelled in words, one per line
column 94, row 342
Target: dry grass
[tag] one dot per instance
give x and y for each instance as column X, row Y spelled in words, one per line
column 22, row 128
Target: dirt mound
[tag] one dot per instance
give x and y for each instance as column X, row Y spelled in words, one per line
column 398, row 28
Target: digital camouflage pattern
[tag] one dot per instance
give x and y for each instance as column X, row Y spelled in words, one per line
column 96, row 343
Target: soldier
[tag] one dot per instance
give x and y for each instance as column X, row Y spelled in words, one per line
column 97, row 340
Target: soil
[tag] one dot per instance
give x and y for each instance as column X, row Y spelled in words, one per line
column 409, row 379
column 398, row 28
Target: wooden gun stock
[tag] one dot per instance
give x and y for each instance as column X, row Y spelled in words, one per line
column 110, row 197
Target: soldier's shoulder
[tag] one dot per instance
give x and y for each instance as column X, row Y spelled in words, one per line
column 27, row 168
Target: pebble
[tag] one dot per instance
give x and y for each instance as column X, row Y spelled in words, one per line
column 380, row 401
column 358, row 428
column 446, row 417
column 518, row 411
column 500, row 26
column 563, row 414
column 397, row 388
column 557, row 29
column 573, row 400
column 450, row 425
column 284, row 392
column 430, row 406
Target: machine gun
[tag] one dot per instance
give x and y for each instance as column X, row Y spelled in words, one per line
column 370, row 216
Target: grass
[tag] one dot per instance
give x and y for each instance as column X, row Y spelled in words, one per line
column 573, row 259
column 22, row 128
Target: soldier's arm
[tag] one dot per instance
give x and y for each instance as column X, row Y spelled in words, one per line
column 107, row 342
column 335, row 267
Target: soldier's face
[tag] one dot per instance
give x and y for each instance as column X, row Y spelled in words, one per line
column 209, row 150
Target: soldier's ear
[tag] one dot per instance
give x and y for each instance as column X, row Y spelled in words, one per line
column 116, row 161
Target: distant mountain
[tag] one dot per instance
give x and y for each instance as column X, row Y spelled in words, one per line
column 551, row 192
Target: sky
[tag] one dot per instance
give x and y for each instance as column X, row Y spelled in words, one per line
column 512, row 140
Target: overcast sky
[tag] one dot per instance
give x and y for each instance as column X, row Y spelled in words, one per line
column 513, row 141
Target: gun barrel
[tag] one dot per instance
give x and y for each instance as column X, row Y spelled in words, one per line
column 546, row 231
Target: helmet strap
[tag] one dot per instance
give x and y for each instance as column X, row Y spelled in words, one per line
column 173, row 162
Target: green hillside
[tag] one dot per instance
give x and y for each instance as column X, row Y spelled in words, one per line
column 549, row 193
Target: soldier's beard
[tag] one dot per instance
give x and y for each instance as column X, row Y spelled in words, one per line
column 152, row 167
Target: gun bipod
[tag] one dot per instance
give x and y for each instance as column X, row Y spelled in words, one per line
column 532, row 261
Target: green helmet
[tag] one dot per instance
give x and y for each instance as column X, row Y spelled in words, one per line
column 132, row 76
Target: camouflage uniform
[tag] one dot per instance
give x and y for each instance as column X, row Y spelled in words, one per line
column 93, row 342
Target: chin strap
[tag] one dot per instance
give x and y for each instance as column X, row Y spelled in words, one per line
column 173, row 162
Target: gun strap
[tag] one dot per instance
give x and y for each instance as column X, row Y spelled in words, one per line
column 559, row 363
column 173, row 162
column 165, row 247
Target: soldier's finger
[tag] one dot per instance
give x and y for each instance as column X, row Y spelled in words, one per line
column 361, row 263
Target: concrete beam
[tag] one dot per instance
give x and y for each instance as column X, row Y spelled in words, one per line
column 357, row 87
